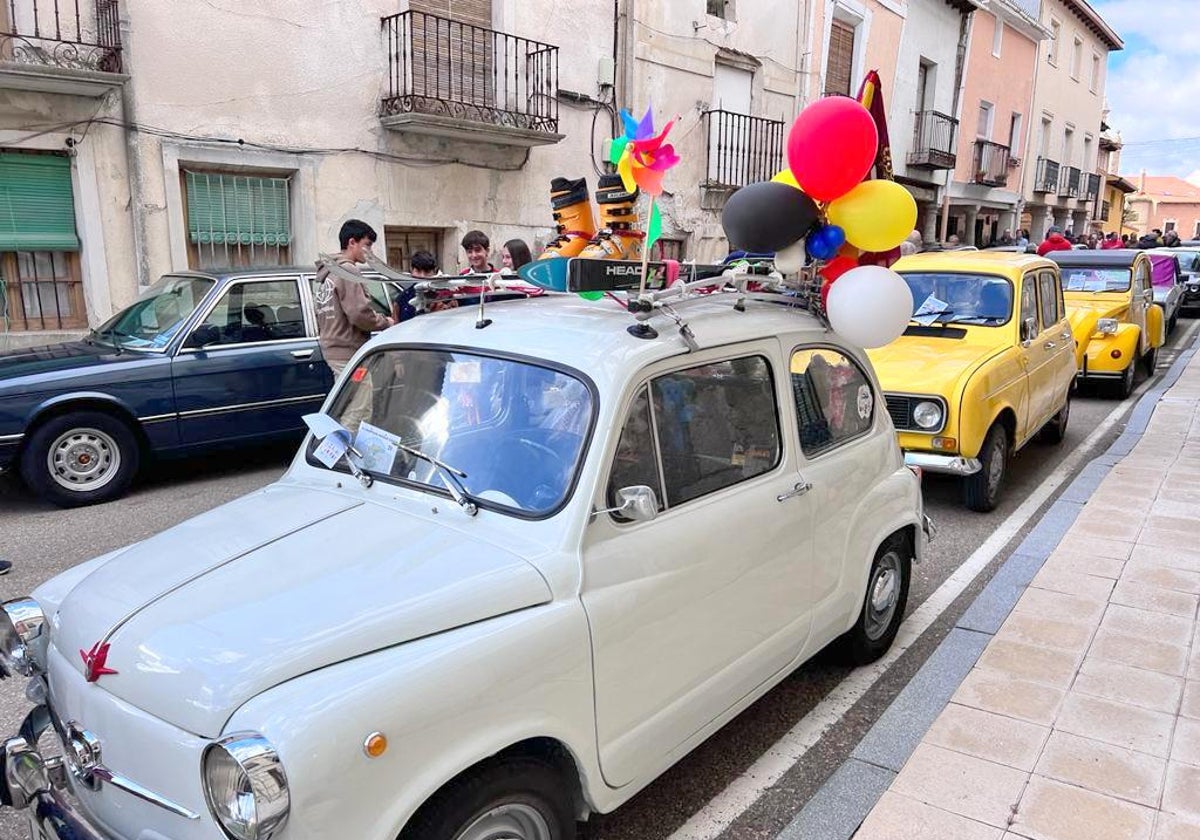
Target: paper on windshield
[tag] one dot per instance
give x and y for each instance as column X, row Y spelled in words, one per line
column 929, row 311
column 332, row 448
column 377, row 447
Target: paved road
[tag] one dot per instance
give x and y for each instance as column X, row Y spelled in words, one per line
column 43, row 541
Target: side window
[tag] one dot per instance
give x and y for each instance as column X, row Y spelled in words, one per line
column 716, row 424
column 1029, row 300
column 1048, row 298
column 258, row 311
column 834, row 400
column 636, row 460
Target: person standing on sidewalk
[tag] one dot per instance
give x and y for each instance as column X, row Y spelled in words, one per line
column 477, row 247
column 345, row 318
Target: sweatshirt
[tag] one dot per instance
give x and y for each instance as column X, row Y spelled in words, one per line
column 1054, row 242
column 345, row 319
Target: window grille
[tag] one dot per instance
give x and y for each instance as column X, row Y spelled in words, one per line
column 237, row 220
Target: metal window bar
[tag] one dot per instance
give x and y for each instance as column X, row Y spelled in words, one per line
column 449, row 68
column 742, row 149
column 1093, row 186
column 68, row 34
column 1068, row 185
column 1045, row 179
column 991, row 163
column 1105, row 209
column 934, row 136
column 228, row 235
column 43, row 295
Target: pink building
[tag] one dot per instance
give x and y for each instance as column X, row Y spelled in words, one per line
column 1165, row 203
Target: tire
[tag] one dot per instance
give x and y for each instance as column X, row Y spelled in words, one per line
column 1150, row 360
column 981, row 491
column 519, row 798
column 1125, row 385
column 81, row 458
column 1056, row 430
column 1174, row 322
column 883, row 603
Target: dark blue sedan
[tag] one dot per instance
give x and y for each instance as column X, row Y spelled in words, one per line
column 200, row 361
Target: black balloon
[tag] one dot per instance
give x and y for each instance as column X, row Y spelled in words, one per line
column 767, row 216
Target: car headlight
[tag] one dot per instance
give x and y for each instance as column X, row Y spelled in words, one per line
column 1107, row 326
column 23, row 637
column 927, row 414
column 245, row 786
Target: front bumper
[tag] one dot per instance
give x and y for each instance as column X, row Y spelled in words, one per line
column 948, row 464
column 32, row 783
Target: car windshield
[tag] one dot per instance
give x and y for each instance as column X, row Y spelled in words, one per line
column 952, row 298
column 516, row 429
column 1092, row 279
column 156, row 317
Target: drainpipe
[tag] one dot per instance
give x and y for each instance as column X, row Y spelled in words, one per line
column 803, row 50
column 133, row 164
column 960, row 84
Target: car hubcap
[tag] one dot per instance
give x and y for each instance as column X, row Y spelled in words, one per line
column 83, row 459
column 514, row 821
column 996, row 467
column 882, row 595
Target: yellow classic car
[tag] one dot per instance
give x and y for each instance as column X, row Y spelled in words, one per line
column 985, row 364
column 1110, row 303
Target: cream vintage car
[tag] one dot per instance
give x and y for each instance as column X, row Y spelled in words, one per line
column 558, row 557
column 986, row 364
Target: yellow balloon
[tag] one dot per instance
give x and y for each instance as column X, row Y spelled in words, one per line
column 785, row 176
column 876, row 215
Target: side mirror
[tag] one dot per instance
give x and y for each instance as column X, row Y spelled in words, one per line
column 639, row 503
column 202, row 336
column 1028, row 329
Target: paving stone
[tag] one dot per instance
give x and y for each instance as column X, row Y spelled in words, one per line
column 1103, row 768
column 1051, row 810
column 841, row 804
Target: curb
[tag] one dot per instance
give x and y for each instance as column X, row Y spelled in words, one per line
column 839, row 807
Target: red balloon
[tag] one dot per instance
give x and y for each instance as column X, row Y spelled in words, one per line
column 825, row 286
column 831, row 147
column 836, row 267
column 883, row 258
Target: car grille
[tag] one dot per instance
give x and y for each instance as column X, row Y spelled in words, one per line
column 900, row 408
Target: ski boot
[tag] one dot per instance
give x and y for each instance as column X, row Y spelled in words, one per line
column 617, row 240
column 572, row 217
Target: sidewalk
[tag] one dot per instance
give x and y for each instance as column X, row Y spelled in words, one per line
column 1080, row 720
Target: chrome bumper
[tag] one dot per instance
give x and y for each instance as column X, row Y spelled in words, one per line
column 31, row 783
column 950, row 464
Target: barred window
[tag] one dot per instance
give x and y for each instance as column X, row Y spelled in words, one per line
column 237, row 220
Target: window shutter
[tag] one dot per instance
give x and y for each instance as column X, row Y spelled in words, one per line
column 237, row 209
column 37, row 205
column 840, row 61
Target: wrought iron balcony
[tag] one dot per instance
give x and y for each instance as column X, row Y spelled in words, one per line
column 742, row 149
column 61, row 46
column 934, row 136
column 1104, row 210
column 453, row 79
column 1093, row 186
column 1045, row 179
column 1068, row 183
column 991, row 164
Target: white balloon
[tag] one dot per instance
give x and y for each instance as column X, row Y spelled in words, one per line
column 869, row 306
column 791, row 259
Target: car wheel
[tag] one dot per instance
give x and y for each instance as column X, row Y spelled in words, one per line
column 982, row 490
column 1150, row 360
column 80, row 458
column 513, row 799
column 1125, row 385
column 1173, row 322
column 884, row 602
column 1056, row 429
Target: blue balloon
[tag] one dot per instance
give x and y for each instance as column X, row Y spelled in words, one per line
column 823, row 242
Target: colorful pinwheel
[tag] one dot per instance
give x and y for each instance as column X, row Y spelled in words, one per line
column 642, row 159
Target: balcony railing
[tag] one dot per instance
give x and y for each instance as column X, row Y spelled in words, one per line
column 1045, row 178
column 934, row 136
column 991, row 163
column 452, row 69
column 1104, row 209
column 1068, row 183
column 742, row 149
column 65, row 34
column 1093, row 186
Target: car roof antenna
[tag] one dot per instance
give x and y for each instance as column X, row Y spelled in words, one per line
column 480, row 321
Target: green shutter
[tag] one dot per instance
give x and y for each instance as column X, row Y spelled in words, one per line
column 37, row 206
column 237, row 210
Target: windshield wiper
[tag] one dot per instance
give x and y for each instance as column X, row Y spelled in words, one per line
column 112, row 333
column 960, row 319
column 450, row 476
column 917, row 317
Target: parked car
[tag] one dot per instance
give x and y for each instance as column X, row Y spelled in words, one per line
column 200, row 361
column 986, row 363
column 1166, row 282
column 1189, row 283
column 1110, row 302
column 563, row 556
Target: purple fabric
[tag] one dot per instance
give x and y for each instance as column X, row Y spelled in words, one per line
column 1162, row 270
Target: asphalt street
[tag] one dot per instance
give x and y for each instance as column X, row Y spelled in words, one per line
column 42, row 541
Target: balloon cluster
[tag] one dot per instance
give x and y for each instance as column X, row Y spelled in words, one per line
column 821, row 208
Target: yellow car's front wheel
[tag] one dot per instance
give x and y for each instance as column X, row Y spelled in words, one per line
column 1125, row 385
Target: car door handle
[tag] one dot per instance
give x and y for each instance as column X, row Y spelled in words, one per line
column 1049, row 345
column 301, row 355
column 1065, row 336
column 799, row 490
